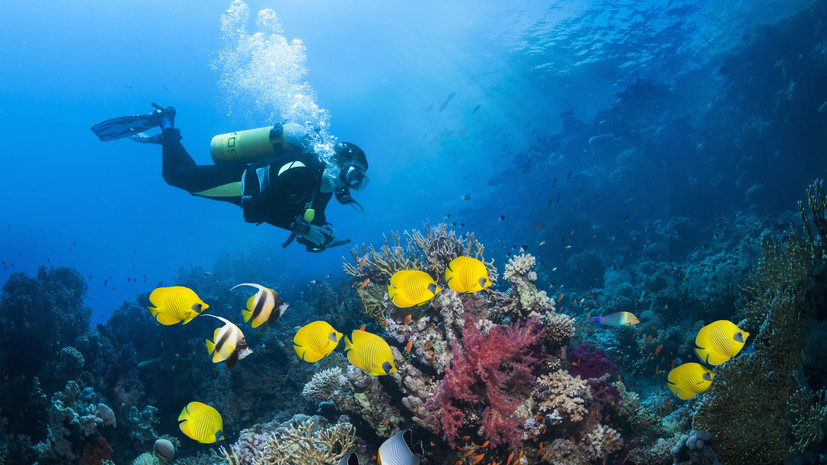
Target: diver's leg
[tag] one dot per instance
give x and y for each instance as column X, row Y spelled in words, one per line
column 220, row 182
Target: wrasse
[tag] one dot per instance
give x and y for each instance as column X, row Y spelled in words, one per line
column 616, row 319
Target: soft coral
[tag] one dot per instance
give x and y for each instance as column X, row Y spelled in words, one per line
column 491, row 373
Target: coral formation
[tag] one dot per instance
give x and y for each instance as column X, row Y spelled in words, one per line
column 746, row 409
column 301, row 441
column 488, row 375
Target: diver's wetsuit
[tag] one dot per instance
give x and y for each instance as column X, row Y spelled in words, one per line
column 274, row 190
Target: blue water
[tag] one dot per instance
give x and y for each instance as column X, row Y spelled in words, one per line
column 381, row 71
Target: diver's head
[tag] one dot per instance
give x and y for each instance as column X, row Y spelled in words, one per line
column 352, row 165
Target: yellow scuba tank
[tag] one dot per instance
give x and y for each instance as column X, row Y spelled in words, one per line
column 257, row 144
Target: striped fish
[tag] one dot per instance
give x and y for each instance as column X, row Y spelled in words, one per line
column 396, row 450
column 228, row 343
column 370, row 353
column 265, row 306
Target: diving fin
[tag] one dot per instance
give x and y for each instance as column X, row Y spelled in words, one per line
column 130, row 125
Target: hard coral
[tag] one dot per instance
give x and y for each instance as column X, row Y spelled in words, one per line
column 562, row 397
column 489, row 373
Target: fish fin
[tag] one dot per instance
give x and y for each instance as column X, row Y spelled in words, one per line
column 210, row 346
column 165, row 319
column 233, row 358
column 257, row 286
column 185, row 414
column 246, row 314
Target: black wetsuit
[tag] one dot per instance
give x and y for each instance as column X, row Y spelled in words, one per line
column 274, row 190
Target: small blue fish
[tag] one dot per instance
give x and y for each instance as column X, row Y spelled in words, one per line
column 616, row 319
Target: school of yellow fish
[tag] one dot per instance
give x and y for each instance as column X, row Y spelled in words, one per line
column 312, row 342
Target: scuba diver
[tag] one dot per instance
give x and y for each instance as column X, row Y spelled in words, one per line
column 272, row 173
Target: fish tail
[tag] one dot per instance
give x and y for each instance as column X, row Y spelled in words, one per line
column 246, row 314
column 348, row 344
column 594, row 319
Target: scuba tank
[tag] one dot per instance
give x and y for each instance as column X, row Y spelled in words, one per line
column 257, row 144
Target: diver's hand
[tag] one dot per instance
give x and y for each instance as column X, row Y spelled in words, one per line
column 318, row 238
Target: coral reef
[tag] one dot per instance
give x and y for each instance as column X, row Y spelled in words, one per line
column 76, row 422
column 301, row 441
column 746, row 409
column 484, row 383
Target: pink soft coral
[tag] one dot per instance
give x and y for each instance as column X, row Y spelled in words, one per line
column 490, row 374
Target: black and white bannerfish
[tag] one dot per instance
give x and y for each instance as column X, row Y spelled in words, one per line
column 228, row 343
column 396, row 450
column 265, row 306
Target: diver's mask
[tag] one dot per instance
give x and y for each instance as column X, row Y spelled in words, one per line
column 354, row 177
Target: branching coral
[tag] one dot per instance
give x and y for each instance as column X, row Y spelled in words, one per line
column 485, row 381
column 809, row 414
column 524, row 300
column 308, row 445
column 430, row 251
column 746, row 409
column 562, row 397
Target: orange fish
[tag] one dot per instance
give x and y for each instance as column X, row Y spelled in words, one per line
column 539, row 225
column 560, row 296
column 648, row 339
column 408, row 319
column 657, row 351
column 384, row 323
column 510, row 456
column 471, row 451
column 674, row 361
column 362, row 328
column 365, row 282
column 362, row 261
column 431, row 360
column 408, row 347
column 428, row 345
column 484, row 444
column 478, row 458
